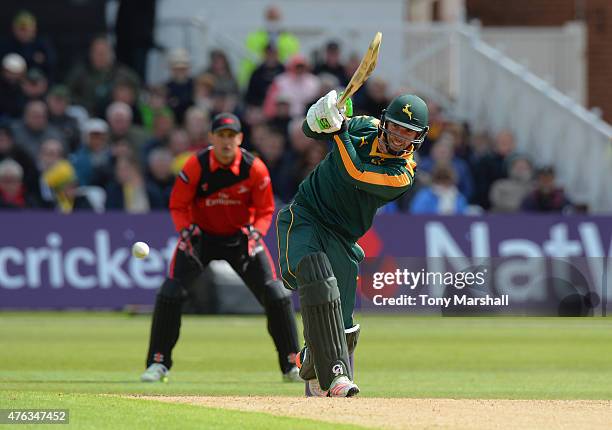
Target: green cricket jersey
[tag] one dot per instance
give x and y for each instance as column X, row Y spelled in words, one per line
column 346, row 189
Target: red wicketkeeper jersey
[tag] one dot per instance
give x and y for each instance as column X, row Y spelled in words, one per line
column 222, row 199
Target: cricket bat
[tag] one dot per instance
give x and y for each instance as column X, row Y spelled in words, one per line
column 363, row 72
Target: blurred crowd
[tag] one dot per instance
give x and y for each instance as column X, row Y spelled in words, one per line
column 102, row 138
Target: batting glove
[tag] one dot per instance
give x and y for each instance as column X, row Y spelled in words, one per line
column 324, row 116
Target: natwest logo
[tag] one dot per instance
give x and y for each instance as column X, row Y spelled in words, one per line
column 588, row 243
column 523, row 266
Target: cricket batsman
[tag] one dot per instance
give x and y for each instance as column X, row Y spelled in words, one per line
column 371, row 164
column 222, row 205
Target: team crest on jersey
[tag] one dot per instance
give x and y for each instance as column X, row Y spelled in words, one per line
column 204, row 187
column 407, row 111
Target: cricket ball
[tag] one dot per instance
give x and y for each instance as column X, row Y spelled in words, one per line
column 140, row 250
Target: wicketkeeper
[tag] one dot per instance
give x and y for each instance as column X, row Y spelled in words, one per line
column 371, row 164
column 222, row 205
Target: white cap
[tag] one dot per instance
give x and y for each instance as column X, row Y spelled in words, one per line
column 14, row 63
column 96, row 125
column 179, row 57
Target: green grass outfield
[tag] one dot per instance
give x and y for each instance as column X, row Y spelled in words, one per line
column 65, row 360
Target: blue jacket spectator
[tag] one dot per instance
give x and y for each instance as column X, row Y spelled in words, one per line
column 93, row 161
column 443, row 152
column 441, row 197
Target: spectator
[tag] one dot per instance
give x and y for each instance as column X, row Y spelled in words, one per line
column 352, row 64
column 121, row 148
column 125, row 92
column 197, row 124
column 155, row 104
column 271, row 149
column 62, row 180
column 91, row 83
column 443, row 152
column 92, row 161
column 30, row 132
column 298, row 141
column 12, row 190
column 297, row 82
column 180, row 86
column 119, row 117
column 272, row 34
column 374, row 99
column 179, row 148
column 442, row 197
column 12, row 98
column 331, row 64
column 203, row 91
column 129, row 191
column 134, row 32
column 547, row 196
column 58, row 101
column 262, row 77
column 312, row 156
column 13, row 193
column 282, row 116
column 8, row 150
column 37, row 51
column 492, row 167
column 221, row 70
column 327, row 83
column 51, row 152
column 461, row 140
column 224, row 102
column 35, row 85
column 162, row 126
column 480, row 145
column 160, row 175
column 508, row 194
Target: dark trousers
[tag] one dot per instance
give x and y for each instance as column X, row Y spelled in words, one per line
column 252, row 262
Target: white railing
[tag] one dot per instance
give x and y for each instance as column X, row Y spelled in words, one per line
column 497, row 93
column 555, row 54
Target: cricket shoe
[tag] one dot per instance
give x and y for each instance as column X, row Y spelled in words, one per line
column 342, row 386
column 313, row 389
column 293, row 375
column 156, row 372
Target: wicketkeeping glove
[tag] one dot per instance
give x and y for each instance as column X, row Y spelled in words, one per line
column 253, row 237
column 324, row 116
column 186, row 237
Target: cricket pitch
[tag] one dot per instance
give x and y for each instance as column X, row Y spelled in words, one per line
column 397, row 413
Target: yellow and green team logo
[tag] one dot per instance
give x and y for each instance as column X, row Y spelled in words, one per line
column 407, row 111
